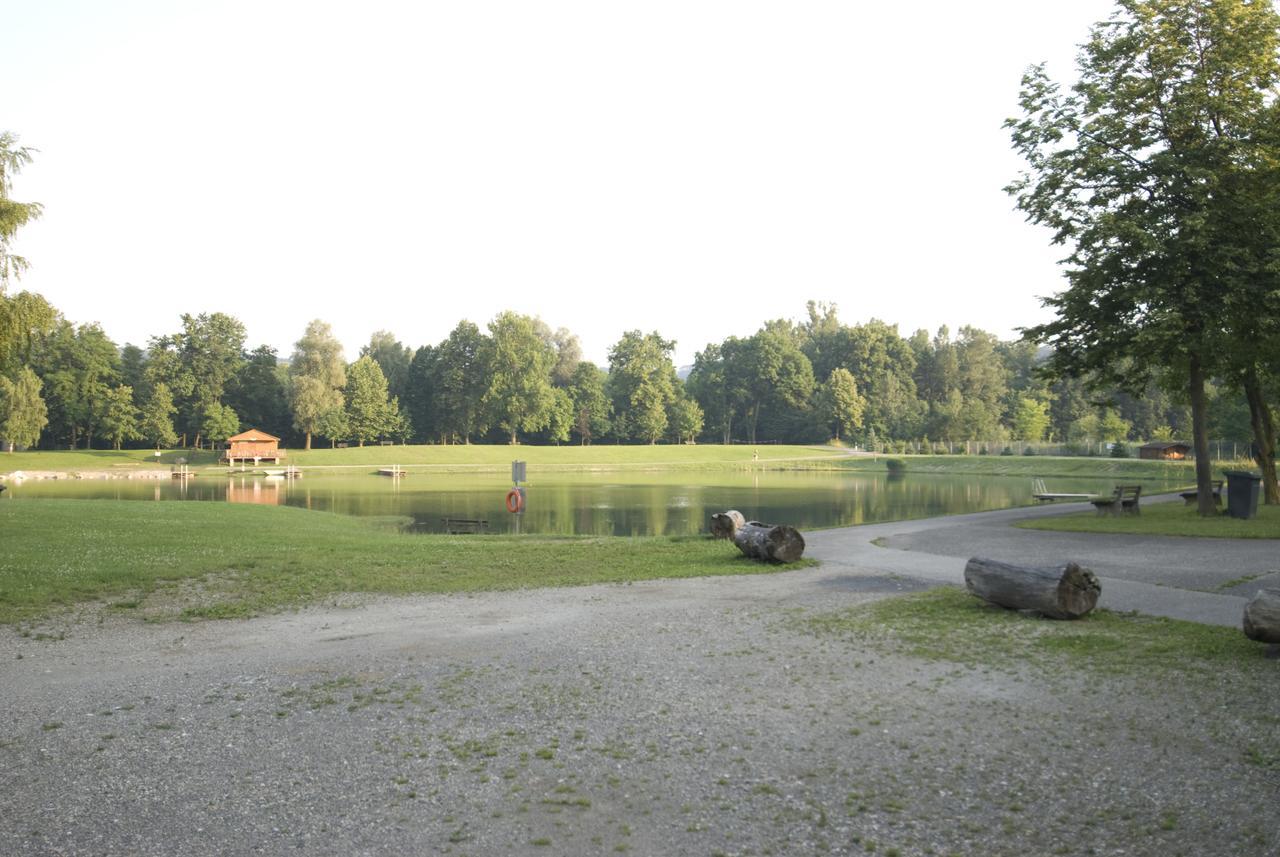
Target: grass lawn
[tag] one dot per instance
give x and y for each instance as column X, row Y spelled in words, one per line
column 948, row 624
column 1032, row 466
column 473, row 457
column 222, row 560
column 1166, row 519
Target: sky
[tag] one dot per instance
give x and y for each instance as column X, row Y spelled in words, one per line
column 691, row 168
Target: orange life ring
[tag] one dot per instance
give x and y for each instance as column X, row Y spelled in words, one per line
column 515, row 501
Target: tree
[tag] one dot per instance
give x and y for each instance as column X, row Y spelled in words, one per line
column 369, row 412
column 706, row 383
column 642, row 383
column 156, row 425
column 560, row 416
column 23, row 414
column 461, row 381
column 219, row 423
column 1128, row 171
column 841, row 406
column 13, row 214
column 767, row 371
column 78, row 365
column 24, row 319
column 393, row 358
column 258, row 394
column 590, row 404
column 518, row 396
column 685, row 418
column 317, row 374
column 1031, row 419
column 120, row 416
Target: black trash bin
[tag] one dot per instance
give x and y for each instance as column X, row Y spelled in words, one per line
column 1242, row 493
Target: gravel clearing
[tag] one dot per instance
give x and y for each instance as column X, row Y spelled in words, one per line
column 695, row 717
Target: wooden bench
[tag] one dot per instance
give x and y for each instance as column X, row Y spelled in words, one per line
column 464, row 526
column 1123, row 500
column 1191, row 497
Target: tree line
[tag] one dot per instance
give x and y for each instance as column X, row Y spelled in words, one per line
column 68, row 385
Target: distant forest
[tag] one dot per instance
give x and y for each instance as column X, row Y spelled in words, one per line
column 518, row 380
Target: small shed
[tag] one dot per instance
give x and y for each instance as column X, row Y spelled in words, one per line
column 1173, row 450
column 253, row 445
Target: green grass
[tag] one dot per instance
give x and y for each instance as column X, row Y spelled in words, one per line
column 213, row 560
column 948, row 624
column 1031, row 466
column 1166, row 519
column 474, row 457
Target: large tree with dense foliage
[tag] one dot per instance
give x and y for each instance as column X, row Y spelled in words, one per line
column 460, row 380
column 642, row 383
column 13, row 214
column 591, row 408
column 156, row 423
column 518, row 361
column 393, row 358
column 370, row 414
column 317, row 374
column 23, row 414
column 79, row 365
column 258, row 392
column 120, row 416
column 1128, row 171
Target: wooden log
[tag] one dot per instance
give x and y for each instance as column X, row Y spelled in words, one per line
column 725, row 524
column 769, row 542
column 1060, row 592
column 1262, row 616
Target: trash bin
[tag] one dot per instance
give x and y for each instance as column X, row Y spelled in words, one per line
column 1242, row 493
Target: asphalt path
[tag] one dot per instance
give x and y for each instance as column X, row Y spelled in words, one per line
column 1203, row 580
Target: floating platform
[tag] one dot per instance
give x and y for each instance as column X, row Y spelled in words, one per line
column 396, row 471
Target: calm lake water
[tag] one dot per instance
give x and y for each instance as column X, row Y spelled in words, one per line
column 621, row 504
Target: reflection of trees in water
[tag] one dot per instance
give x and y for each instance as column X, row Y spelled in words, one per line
column 600, row 505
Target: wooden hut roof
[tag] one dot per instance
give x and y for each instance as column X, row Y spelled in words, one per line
column 1165, row 444
column 254, row 434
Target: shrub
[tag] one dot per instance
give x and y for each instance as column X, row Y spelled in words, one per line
column 1006, row 451
column 895, row 465
column 1028, row 451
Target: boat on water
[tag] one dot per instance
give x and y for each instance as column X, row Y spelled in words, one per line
column 282, row 472
column 394, row 471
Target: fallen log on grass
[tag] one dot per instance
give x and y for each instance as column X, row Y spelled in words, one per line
column 725, row 524
column 767, row 542
column 1061, row 592
column 1262, row 616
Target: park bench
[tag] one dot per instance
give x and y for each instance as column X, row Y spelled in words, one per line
column 1190, row 497
column 464, row 526
column 1123, row 499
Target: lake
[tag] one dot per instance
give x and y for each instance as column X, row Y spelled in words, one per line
column 607, row 504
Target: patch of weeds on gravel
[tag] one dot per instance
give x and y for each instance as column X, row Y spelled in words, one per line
column 947, row 624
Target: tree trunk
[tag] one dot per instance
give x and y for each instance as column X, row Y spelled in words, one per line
column 1262, row 616
column 725, row 524
column 1264, row 435
column 1200, row 438
column 308, row 446
column 197, row 440
column 360, row 443
column 1062, row 592
column 767, row 542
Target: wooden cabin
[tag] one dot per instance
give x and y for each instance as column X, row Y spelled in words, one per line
column 1164, row 451
column 253, row 445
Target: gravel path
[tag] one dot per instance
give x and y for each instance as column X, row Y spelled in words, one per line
column 666, row 718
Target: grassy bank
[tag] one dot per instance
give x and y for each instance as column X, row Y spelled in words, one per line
column 472, row 458
column 948, row 624
column 175, row 559
column 1032, row 466
column 1166, row 519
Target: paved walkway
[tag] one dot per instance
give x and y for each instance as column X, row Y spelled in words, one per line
column 1204, row 580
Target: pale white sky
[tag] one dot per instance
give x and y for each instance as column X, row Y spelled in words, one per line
column 687, row 167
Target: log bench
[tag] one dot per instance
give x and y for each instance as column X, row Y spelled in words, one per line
column 1123, row 500
column 1191, row 497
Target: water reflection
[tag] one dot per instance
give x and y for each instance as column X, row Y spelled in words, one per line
column 604, row 504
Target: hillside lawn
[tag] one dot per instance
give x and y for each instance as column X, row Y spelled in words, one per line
column 170, row 560
column 468, row 457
